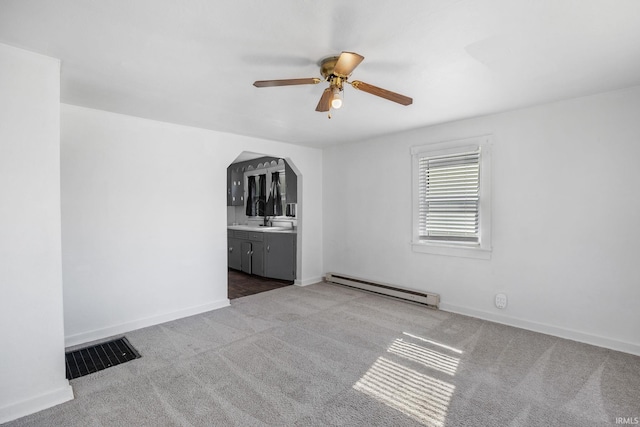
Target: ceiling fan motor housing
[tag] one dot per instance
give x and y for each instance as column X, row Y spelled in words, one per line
column 327, row 66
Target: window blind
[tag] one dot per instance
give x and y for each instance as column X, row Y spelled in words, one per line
column 449, row 187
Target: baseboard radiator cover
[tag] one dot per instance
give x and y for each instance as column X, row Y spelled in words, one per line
column 429, row 299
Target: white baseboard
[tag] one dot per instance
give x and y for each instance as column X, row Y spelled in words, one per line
column 546, row 329
column 109, row 331
column 43, row 401
column 309, row 281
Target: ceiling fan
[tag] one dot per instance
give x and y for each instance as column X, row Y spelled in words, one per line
column 336, row 70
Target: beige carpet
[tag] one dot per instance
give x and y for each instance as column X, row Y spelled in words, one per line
column 327, row 355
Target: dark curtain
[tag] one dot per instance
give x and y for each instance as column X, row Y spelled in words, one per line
column 251, row 197
column 274, row 205
column 262, row 195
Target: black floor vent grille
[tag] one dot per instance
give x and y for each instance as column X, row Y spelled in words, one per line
column 98, row 357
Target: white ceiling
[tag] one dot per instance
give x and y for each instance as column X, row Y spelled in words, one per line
column 193, row 62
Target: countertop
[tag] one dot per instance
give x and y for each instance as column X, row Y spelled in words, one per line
column 262, row 229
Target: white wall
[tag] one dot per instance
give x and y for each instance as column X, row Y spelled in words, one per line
column 565, row 219
column 32, row 372
column 144, row 219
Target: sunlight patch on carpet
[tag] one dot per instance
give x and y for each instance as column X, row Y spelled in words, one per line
column 416, row 395
column 427, row 357
column 455, row 350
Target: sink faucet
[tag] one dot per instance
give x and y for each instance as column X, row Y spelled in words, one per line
column 266, row 218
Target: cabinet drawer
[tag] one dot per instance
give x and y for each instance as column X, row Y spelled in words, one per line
column 230, row 233
column 257, row 237
column 238, row 234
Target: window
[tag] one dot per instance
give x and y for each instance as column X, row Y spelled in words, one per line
column 260, row 184
column 452, row 198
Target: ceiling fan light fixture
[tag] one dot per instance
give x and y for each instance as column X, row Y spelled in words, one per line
column 336, row 101
column 336, row 70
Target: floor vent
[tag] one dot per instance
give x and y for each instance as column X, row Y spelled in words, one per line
column 101, row 356
column 429, row 299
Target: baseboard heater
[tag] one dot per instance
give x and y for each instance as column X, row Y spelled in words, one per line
column 429, row 299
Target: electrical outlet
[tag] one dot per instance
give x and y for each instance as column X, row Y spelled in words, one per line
column 501, row 301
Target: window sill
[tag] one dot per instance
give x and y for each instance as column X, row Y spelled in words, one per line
column 449, row 250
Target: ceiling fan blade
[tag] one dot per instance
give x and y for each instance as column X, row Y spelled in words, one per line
column 325, row 101
column 286, row 82
column 347, row 62
column 382, row 93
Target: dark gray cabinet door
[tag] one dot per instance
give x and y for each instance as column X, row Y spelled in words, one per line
column 246, row 257
column 229, row 187
column 237, row 187
column 234, row 259
column 292, row 184
column 280, row 256
column 257, row 258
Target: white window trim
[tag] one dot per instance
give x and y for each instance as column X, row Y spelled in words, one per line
column 483, row 249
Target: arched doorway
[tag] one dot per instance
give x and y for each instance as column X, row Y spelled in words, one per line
column 262, row 223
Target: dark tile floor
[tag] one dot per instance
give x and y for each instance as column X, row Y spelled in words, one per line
column 242, row 284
